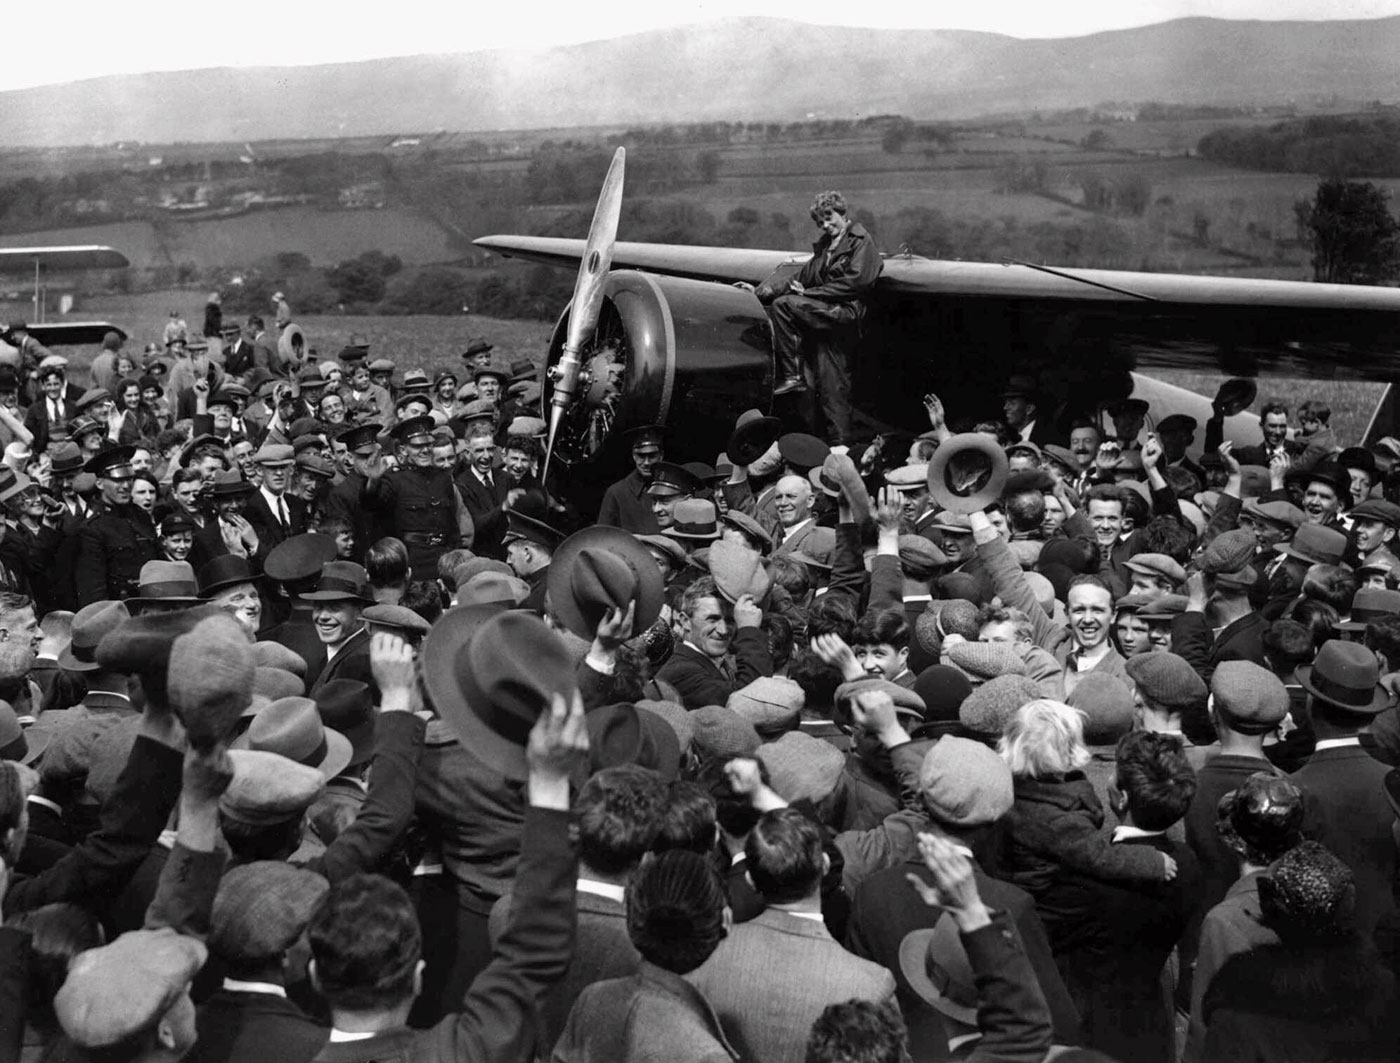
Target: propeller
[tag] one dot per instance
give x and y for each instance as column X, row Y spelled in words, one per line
column 566, row 375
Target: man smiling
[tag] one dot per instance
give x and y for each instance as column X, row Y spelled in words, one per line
column 340, row 597
column 797, row 531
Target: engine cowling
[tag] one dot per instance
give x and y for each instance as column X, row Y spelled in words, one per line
column 689, row 354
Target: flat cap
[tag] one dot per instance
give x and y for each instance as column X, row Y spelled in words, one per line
column 261, row 909
column 721, row 733
column 800, row 766
column 987, row 709
column 1377, row 509
column 965, row 784
column 905, row 700
column 908, row 477
column 772, row 704
column 1251, row 698
column 275, row 454
column 269, row 788
column 1229, row 552
column 276, row 655
column 1277, row 512
column 920, row 555
column 1157, row 565
column 981, row 661
column 1166, row 679
column 396, row 617
column 1107, row 704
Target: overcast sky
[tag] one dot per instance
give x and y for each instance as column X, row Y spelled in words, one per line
column 88, row 38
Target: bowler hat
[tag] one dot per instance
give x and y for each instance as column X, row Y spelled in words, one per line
column 739, row 570
column 1346, row 676
column 967, row 472
column 601, row 568
column 753, row 434
column 1328, row 472
column 90, row 624
column 341, row 581
column 489, row 675
column 227, row 571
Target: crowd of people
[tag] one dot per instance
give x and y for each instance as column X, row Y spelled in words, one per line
column 324, row 739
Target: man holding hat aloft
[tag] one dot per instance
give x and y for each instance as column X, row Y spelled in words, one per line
column 626, row 504
column 723, row 648
column 1220, row 623
column 114, row 545
column 419, row 500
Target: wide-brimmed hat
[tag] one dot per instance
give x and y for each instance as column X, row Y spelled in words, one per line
column 17, row 744
column 493, row 588
column 341, row 581
column 1236, row 395
column 800, row 450
column 694, row 519
column 753, row 434
column 739, row 570
column 967, row 472
column 226, row 571
column 626, row 734
column 1370, row 604
column 165, row 583
column 489, row 675
column 291, row 727
column 91, row 624
column 935, row 964
column 600, row 568
column 1315, row 544
column 1345, row 675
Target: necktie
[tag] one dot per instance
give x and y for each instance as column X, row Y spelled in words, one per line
column 283, row 515
column 55, row 415
column 487, row 481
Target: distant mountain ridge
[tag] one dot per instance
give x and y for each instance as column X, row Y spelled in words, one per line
column 737, row 69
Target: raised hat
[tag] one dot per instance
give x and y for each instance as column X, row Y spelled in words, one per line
column 1157, row 565
column 270, row 654
column 396, row 618
column 755, row 531
column 116, row 991
column 981, row 661
column 964, row 783
column 292, row 728
column 341, row 581
column 600, row 568
column 527, row 426
column 1236, row 395
column 722, row 734
column 230, row 570
column 772, row 704
column 91, row 624
column 823, row 482
column 1168, row 680
column 695, row 519
column 967, row 472
column 1315, row 544
column 753, row 434
column 262, row 909
column 490, row 675
column 800, row 450
column 738, row 570
column 802, row 767
column 1251, row 698
column 346, row 707
column 299, row 557
column 267, row 788
column 934, row 963
column 624, row 734
column 1345, row 675
column 919, row 555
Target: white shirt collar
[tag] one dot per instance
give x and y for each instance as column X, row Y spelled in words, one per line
column 237, row 985
column 1336, row 743
column 815, row 917
column 788, row 533
column 339, row 1037
column 272, row 500
column 601, row 889
column 1125, row 831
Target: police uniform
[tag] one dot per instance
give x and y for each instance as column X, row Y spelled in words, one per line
column 114, row 545
column 421, row 504
column 626, row 504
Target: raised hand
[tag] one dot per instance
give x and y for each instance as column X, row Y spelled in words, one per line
column 615, row 628
column 889, row 510
column 954, row 885
column 391, row 662
column 556, row 751
column 832, row 649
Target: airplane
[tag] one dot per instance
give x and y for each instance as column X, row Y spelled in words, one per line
column 660, row 333
column 35, row 260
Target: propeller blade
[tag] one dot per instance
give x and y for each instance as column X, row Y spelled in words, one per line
column 588, row 298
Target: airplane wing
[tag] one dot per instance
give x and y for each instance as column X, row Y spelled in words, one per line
column 1236, row 326
column 90, row 256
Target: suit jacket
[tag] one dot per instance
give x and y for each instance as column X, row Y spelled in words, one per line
column 270, row 530
column 652, row 1017
column 485, row 504
column 352, row 662
column 36, row 419
column 1219, row 864
column 811, row 539
column 772, row 977
column 602, row 950
column 1240, row 640
column 14, row 995
column 698, row 679
column 885, row 909
column 1346, row 811
column 626, row 505
column 243, row 1027
column 497, row 1019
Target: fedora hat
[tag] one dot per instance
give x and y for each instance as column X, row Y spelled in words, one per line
column 967, row 472
column 738, row 570
column 292, row 728
column 1345, row 675
column 165, row 583
column 489, row 674
column 90, row 624
column 674, row 551
column 694, row 518
column 346, row 707
column 1315, row 544
column 600, row 568
column 935, row 964
column 226, row 571
column 625, row 734
column 493, row 588
column 1235, row 395
column 1370, row 604
column 753, row 434
column 800, row 450
column 750, row 527
column 17, row 744
column 341, row 581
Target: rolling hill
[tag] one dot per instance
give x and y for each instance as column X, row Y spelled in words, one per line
column 737, row 69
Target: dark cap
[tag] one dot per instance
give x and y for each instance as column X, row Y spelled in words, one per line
column 361, row 438
column 646, row 435
column 415, row 431
column 669, row 478
column 477, row 346
column 300, row 557
column 113, row 463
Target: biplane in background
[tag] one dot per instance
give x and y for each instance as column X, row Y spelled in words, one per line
column 38, row 262
column 666, row 336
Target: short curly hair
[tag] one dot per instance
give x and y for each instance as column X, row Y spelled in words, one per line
column 826, row 202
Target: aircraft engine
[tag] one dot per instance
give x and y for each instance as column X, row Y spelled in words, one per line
column 690, row 354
